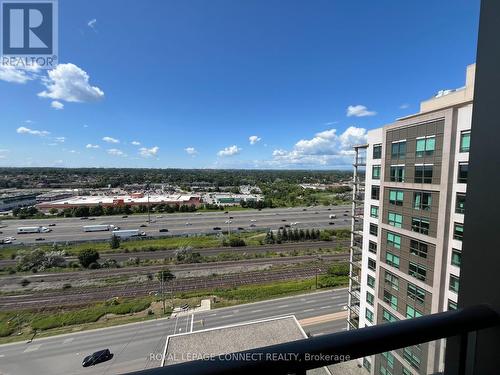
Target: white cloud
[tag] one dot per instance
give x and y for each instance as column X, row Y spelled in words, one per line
column 90, row 145
column 253, row 139
column 191, row 151
column 92, row 23
column 110, row 140
column 149, row 152
column 25, row 130
column 60, row 139
column 13, row 75
column 326, row 148
column 2, row 153
column 404, row 106
column 70, row 83
column 116, row 152
column 56, row 105
column 136, row 143
column 229, row 151
column 359, row 111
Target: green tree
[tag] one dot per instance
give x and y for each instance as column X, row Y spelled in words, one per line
column 88, row 256
column 165, row 275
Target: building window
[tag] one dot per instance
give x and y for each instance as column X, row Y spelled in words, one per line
column 463, row 170
column 415, row 293
column 396, row 197
column 454, row 283
column 396, row 220
column 452, row 305
column 411, row 358
column 372, row 264
column 394, row 240
column 384, row 371
column 406, row 371
column 390, row 358
column 373, row 229
column 460, row 204
column 458, row 231
column 369, row 315
column 398, row 150
column 367, row 364
column 391, row 280
column 388, row 317
column 423, row 174
column 422, row 201
column 377, row 151
column 418, row 248
column 391, row 300
column 376, row 192
column 397, row 173
column 456, row 257
column 370, row 298
column 420, row 225
column 465, row 141
column 370, row 281
column 376, row 172
column 391, row 259
column 372, row 247
column 411, row 312
column 425, row 146
column 374, row 211
column 418, row 271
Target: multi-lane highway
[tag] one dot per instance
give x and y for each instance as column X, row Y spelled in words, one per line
column 71, row 229
column 138, row 346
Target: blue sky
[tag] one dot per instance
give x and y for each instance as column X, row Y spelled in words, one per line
column 192, row 81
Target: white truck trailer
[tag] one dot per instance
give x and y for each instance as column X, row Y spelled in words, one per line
column 98, row 228
column 126, row 233
column 22, row 230
column 333, row 216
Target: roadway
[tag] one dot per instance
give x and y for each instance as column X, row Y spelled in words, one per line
column 71, row 229
column 139, row 346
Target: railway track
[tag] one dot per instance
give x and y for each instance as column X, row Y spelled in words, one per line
column 211, row 251
column 80, row 296
column 175, row 268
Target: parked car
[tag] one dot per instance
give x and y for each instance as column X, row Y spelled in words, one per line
column 163, row 230
column 97, row 357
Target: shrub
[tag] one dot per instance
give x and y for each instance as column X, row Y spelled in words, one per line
column 87, row 257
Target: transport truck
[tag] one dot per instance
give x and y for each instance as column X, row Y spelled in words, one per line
column 333, row 216
column 126, row 233
column 99, row 228
column 22, row 230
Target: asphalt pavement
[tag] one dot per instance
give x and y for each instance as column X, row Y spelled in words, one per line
column 71, row 229
column 140, row 345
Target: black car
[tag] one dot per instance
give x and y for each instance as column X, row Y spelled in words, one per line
column 226, row 212
column 143, row 226
column 231, row 217
column 216, row 228
column 97, row 357
column 52, row 225
column 331, row 223
column 163, row 230
column 283, row 219
column 124, row 216
column 84, row 218
column 241, row 228
column 346, row 215
column 287, row 225
column 40, row 239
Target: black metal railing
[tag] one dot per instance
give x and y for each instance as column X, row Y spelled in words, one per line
column 334, row 348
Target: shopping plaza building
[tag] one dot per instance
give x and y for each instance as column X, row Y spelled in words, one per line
column 408, row 216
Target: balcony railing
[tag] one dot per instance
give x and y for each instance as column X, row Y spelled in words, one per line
column 334, row 348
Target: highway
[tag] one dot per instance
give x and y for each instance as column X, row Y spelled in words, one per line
column 71, row 229
column 139, row 346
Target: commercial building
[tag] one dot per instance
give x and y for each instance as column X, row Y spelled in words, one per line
column 232, row 199
column 409, row 234
column 133, row 200
column 56, row 195
column 16, row 199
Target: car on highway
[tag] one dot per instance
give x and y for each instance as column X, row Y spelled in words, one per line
column 40, row 239
column 228, row 222
column 231, row 217
column 241, row 228
column 124, row 216
column 253, row 225
column 84, row 218
column 159, row 216
column 281, row 228
column 331, row 223
column 287, row 225
column 143, row 226
column 163, row 230
column 329, row 209
column 304, row 209
column 97, row 357
column 283, row 219
column 188, row 223
column 253, row 220
column 226, row 212
column 346, row 215
column 52, row 225
column 216, row 228
column 91, row 218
